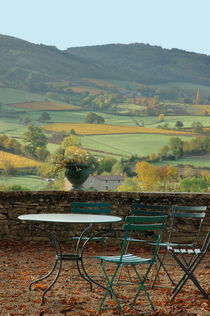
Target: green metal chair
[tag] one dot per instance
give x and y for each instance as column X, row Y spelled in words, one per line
column 138, row 209
column 189, row 266
column 90, row 208
column 134, row 224
column 192, row 214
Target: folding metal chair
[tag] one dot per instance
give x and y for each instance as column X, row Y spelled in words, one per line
column 133, row 224
column 146, row 210
column 179, row 254
column 97, row 208
column 193, row 215
column 90, row 208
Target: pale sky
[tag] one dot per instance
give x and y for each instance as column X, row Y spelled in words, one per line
column 182, row 24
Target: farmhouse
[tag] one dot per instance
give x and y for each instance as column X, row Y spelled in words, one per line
column 103, row 183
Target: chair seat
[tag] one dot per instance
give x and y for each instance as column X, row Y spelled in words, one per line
column 93, row 238
column 126, row 259
column 172, row 244
column 196, row 251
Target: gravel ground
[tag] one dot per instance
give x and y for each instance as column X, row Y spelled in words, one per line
column 22, row 262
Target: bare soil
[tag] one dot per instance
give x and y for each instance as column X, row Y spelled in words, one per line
column 23, row 262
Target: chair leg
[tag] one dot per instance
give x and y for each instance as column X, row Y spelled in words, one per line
column 110, row 288
column 188, row 275
column 142, row 286
column 164, row 268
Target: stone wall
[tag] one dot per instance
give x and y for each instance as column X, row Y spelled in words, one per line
column 13, row 204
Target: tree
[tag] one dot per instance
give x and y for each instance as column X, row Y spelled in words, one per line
column 176, row 146
column 148, row 175
column 8, row 168
column 93, row 118
column 71, row 140
column 197, row 98
column 179, row 124
column 106, row 164
column 194, row 185
column 161, row 117
column 35, row 140
column 164, row 151
column 130, row 185
column 44, row 116
column 197, row 127
column 25, row 120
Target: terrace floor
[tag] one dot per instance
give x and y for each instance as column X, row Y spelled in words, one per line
column 21, row 262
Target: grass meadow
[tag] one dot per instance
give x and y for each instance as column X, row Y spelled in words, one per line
column 32, row 183
column 127, row 144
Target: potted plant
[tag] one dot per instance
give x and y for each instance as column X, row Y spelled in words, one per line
column 76, row 162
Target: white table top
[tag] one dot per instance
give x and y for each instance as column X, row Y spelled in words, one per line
column 70, row 218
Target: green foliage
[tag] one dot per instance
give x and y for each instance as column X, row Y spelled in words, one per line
column 17, row 187
column 130, row 185
column 93, row 118
column 30, row 66
column 71, row 140
column 105, row 164
column 25, row 120
column 197, row 127
column 44, row 116
column 176, row 146
column 179, row 124
column 194, row 184
column 35, row 142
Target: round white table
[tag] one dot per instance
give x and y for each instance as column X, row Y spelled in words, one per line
column 53, row 218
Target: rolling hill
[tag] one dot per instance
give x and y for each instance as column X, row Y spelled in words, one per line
column 21, row 61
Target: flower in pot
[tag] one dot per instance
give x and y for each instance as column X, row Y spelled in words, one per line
column 76, row 162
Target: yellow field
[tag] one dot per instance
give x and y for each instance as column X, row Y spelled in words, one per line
column 59, row 84
column 46, row 106
column 101, row 83
column 97, row 129
column 83, row 89
column 200, row 109
column 17, row 161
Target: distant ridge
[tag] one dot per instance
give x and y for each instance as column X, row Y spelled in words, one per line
column 136, row 62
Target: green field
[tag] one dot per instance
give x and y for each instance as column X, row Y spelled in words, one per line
column 196, row 161
column 204, row 90
column 119, row 145
column 32, row 183
column 9, row 95
column 127, row 144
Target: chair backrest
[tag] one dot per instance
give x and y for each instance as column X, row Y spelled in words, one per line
column 196, row 213
column 150, row 210
column 144, row 224
column 91, row 208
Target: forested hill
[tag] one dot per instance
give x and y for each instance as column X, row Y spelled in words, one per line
column 150, row 64
column 21, row 60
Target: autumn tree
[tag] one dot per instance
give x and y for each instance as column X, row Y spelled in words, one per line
column 161, row 117
column 148, row 175
column 197, row 98
column 71, row 140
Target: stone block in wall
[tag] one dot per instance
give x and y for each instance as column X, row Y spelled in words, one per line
column 2, row 217
column 4, row 229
